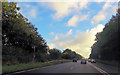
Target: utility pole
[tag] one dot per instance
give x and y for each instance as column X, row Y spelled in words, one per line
column 33, row 54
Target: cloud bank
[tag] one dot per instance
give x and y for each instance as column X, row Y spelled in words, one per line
column 75, row 19
column 81, row 42
column 63, row 9
column 107, row 10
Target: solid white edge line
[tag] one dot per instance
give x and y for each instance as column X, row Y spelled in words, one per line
column 99, row 69
column 24, row 71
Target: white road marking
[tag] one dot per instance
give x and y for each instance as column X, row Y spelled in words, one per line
column 100, row 70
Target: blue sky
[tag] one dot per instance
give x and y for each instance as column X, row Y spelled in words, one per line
column 69, row 24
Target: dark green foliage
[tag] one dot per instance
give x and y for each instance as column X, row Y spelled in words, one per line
column 106, row 47
column 55, row 53
column 19, row 36
column 69, row 54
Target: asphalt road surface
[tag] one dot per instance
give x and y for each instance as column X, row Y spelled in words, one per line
column 76, row 67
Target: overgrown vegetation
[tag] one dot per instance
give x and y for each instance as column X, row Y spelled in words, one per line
column 21, row 43
column 19, row 67
column 106, row 46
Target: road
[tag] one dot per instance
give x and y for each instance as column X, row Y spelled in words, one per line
column 76, row 67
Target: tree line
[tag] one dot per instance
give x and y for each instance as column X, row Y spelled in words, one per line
column 21, row 43
column 107, row 46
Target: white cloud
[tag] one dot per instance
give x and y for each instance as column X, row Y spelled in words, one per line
column 75, row 19
column 62, row 37
column 99, row 0
column 81, row 42
column 107, row 10
column 83, row 4
column 99, row 17
column 63, row 9
column 51, row 46
column 69, row 32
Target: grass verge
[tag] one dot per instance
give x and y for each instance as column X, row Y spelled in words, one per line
column 20, row 67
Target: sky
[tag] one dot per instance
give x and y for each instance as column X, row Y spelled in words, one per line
column 70, row 25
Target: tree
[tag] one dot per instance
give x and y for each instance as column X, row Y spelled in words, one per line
column 69, row 54
column 19, row 36
column 106, row 45
column 55, row 53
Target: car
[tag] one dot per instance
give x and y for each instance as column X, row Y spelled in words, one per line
column 83, row 61
column 89, row 60
column 93, row 61
column 74, row 60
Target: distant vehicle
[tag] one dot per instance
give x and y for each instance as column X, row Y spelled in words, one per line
column 75, row 60
column 83, row 61
column 89, row 60
column 93, row 61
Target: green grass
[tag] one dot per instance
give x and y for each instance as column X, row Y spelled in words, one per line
column 13, row 68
